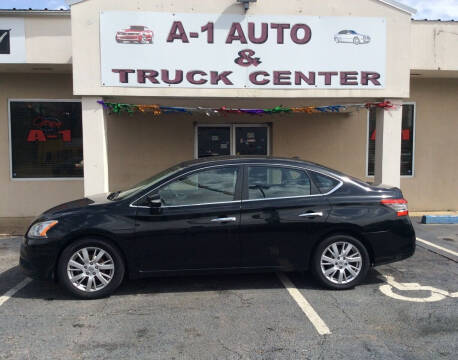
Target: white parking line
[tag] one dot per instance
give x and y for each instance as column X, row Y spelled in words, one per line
column 437, row 247
column 11, row 292
column 314, row 318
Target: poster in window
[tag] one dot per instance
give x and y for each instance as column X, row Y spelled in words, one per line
column 46, row 139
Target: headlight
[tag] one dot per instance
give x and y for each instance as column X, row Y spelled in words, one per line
column 40, row 230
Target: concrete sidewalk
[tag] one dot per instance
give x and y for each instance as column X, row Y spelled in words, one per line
column 15, row 225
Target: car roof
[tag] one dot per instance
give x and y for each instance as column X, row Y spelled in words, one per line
column 221, row 160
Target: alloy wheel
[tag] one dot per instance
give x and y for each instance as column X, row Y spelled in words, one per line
column 341, row 262
column 90, row 269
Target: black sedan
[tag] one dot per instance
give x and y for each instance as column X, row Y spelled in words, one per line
column 219, row 215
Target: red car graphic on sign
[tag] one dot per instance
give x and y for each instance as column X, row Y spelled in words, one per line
column 135, row 35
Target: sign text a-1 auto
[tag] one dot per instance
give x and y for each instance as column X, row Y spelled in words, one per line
column 248, row 60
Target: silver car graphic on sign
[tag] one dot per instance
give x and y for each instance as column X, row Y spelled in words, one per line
column 351, row 36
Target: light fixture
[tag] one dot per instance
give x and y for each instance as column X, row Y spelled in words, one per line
column 246, row 3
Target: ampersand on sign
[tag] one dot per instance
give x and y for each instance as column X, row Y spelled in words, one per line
column 246, row 58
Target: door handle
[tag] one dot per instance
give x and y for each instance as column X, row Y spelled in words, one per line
column 313, row 214
column 226, row 219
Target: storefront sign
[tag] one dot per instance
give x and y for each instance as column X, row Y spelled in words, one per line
column 234, row 51
column 12, row 40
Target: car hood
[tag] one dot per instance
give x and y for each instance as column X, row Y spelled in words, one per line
column 89, row 201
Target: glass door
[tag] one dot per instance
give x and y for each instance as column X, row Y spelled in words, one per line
column 251, row 140
column 213, row 141
column 232, row 139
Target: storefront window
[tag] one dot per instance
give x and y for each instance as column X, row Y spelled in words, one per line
column 407, row 143
column 232, row 140
column 46, row 139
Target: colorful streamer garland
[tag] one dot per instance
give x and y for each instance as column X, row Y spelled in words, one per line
column 156, row 110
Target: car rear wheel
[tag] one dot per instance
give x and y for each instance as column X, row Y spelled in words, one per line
column 90, row 268
column 340, row 262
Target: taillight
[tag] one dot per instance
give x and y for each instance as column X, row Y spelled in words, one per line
column 398, row 205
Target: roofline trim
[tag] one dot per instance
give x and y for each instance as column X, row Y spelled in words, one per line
column 393, row 3
column 73, row 2
column 400, row 6
column 35, row 12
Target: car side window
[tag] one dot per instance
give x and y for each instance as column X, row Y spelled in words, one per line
column 324, row 183
column 266, row 182
column 203, row 187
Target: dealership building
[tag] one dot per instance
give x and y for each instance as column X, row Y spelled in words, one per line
column 102, row 96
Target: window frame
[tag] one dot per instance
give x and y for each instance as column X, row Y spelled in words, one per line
column 10, row 141
column 413, row 143
column 242, row 184
column 232, row 128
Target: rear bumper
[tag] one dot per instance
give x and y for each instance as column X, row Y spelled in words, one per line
column 38, row 259
column 396, row 244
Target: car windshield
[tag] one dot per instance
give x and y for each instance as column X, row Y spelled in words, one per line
column 352, row 32
column 140, row 28
column 123, row 194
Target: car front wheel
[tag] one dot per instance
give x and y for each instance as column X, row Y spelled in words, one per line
column 90, row 268
column 340, row 262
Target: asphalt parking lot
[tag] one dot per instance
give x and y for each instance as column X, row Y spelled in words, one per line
column 242, row 316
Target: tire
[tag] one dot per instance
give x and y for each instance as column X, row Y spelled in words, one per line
column 342, row 264
column 356, row 41
column 112, row 273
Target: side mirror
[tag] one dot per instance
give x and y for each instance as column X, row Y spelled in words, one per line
column 155, row 203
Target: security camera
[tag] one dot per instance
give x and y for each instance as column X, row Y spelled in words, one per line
column 246, row 3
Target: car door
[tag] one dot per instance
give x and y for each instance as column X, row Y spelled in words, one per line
column 282, row 214
column 196, row 226
column 347, row 36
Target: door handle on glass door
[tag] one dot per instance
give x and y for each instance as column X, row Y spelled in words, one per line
column 312, row 214
column 223, row 220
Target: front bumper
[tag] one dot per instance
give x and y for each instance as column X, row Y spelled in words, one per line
column 128, row 37
column 38, row 258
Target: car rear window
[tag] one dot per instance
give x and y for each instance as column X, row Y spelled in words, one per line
column 324, row 183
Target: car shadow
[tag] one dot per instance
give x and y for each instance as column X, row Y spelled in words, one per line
column 10, row 278
column 51, row 291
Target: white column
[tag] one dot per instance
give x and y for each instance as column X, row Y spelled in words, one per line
column 94, row 147
column 388, row 145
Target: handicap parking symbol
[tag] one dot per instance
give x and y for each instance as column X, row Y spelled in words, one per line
column 434, row 293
